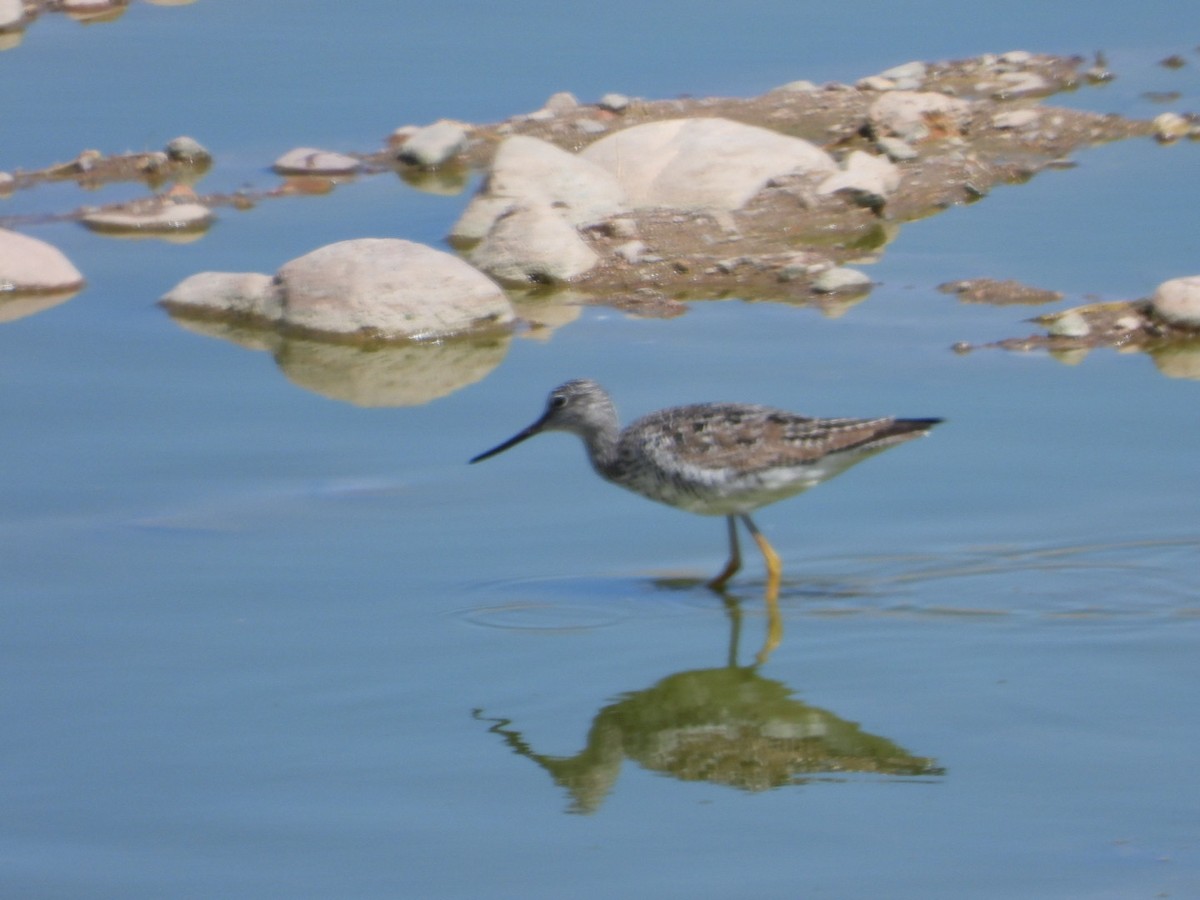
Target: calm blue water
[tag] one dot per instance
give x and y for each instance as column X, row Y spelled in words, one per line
column 259, row 642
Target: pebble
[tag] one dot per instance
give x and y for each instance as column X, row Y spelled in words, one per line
column 1171, row 126
column 875, row 83
column 909, row 71
column 188, row 150
column 870, row 179
column 614, row 102
column 906, row 114
column 434, row 145
column 31, row 266
column 840, row 279
column 1017, row 57
column 796, row 87
column 896, row 149
column 1020, row 84
column 590, row 126
column 563, row 101
column 1015, row 119
column 310, row 161
column 1178, row 301
column 631, row 251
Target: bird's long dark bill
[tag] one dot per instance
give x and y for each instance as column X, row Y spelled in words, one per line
column 512, row 441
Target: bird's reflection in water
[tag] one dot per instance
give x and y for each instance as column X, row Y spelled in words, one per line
column 727, row 725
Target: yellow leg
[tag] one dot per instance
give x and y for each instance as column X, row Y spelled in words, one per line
column 774, row 572
column 735, row 558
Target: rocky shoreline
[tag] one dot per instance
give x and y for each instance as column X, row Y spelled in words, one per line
column 643, row 204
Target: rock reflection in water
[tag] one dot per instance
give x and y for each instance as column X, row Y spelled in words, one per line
column 727, row 725
column 396, row 374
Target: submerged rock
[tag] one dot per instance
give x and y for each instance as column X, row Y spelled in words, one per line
column 700, row 164
column 310, row 161
column 158, row 218
column 30, row 266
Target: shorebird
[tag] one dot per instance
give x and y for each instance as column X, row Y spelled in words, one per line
column 716, row 459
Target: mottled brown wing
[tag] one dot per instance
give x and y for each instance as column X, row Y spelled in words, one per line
column 748, row 438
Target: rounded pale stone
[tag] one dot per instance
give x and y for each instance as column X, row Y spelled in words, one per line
column 30, row 266
column 389, row 288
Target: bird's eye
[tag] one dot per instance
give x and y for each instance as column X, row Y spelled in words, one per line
column 558, row 401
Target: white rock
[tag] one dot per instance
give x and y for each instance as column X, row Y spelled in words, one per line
column 388, row 287
column 7, row 182
column 434, row 145
column 631, row 251
column 1178, row 301
column 1021, row 84
column 527, row 171
column 907, row 114
column 310, row 161
column 28, row 265
column 897, row 149
column 875, row 83
column 796, row 87
column 871, row 179
column 915, row 70
column 1015, row 118
column 1016, row 57
column 158, row 219
column 841, row 279
column 187, row 149
column 1171, row 126
column 563, row 101
column 11, row 13
column 614, row 102
column 702, row 163
column 534, row 244
column 236, row 293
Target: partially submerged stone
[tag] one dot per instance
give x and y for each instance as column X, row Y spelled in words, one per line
column 534, row 244
column 434, row 145
column 158, row 218
column 700, row 164
column 841, row 280
column 188, row 150
column 1178, row 302
column 366, row 289
column 30, row 266
column 250, row 295
column 311, row 161
column 388, row 288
